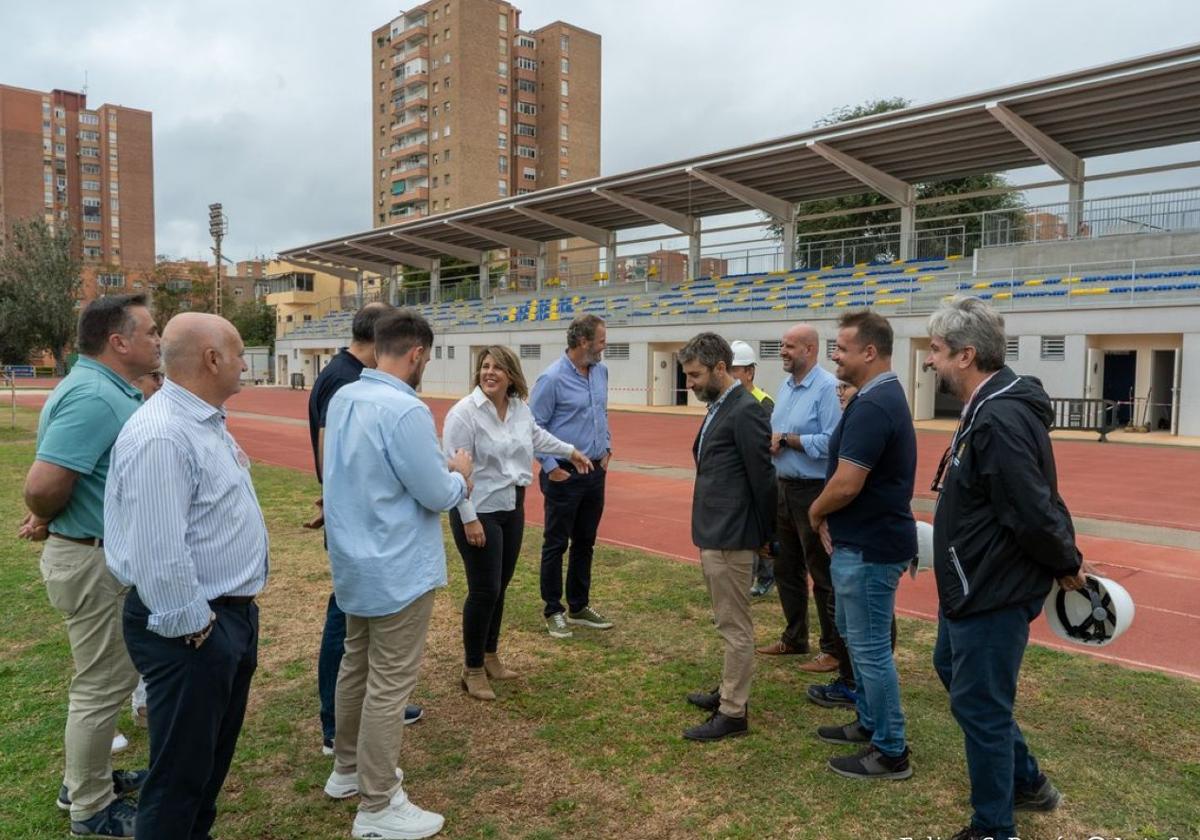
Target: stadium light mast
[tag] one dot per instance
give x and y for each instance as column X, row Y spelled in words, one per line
column 218, row 226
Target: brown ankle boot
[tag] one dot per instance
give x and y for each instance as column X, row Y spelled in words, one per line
column 496, row 669
column 475, row 683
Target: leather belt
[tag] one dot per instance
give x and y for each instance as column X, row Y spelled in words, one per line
column 97, row 542
column 232, row 601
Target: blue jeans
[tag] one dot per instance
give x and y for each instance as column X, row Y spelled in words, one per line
column 864, row 601
column 333, row 644
column 978, row 659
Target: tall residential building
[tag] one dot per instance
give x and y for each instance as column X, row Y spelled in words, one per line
column 89, row 168
column 468, row 107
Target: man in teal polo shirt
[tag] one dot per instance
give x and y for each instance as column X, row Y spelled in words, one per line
column 64, row 491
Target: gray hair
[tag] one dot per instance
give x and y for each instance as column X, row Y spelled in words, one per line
column 707, row 348
column 583, row 329
column 964, row 322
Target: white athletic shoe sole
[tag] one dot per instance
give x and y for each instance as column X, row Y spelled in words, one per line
column 345, row 785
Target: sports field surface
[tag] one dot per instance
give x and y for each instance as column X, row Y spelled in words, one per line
column 587, row 741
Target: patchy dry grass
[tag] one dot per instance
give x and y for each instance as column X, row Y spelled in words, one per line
column 587, row 740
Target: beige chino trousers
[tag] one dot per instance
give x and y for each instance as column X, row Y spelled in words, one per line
column 91, row 600
column 728, row 575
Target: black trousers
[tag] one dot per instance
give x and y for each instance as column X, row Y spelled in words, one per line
column 573, row 511
column 800, row 555
column 197, row 701
column 489, row 569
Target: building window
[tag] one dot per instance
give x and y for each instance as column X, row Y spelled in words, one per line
column 502, row 187
column 563, row 87
column 109, row 281
column 563, row 174
column 768, row 350
column 446, row 180
column 527, row 85
column 618, row 352
column 526, row 152
column 562, row 151
column 563, row 132
column 450, row 351
column 502, row 69
column 525, row 42
column 503, row 44
column 437, row 352
column 435, row 39
column 502, row 141
column 503, row 117
column 445, row 34
column 529, row 173
column 526, row 130
column 435, row 87
column 531, row 351
column 564, row 43
column 1012, row 348
column 830, row 346
column 566, row 66
column 435, row 182
column 503, row 23
column 527, row 108
column 526, row 64
column 502, row 163
column 1054, row 348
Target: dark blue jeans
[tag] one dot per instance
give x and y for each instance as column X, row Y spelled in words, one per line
column 333, row 644
column 197, row 702
column 573, row 510
column 978, row 659
column 865, row 604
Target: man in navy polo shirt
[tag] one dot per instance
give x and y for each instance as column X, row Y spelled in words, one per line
column 865, row 518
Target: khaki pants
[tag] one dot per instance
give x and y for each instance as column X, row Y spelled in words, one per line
column 378, row 673
column 728, row 575
column 91, row 600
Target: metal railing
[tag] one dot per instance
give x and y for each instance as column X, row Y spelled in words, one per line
column 1150, row 212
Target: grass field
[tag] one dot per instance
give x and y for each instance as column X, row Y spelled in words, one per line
column 587, row 742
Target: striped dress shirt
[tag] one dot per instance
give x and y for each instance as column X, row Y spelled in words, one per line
column 181, row 518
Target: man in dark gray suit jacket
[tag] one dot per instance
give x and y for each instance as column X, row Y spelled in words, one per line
column 733, row 511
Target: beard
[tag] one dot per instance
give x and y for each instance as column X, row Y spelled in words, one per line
column 945, row 386
column 707, row 393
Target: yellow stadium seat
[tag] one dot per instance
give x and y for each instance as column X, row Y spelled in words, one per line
column 1002, row 296
column 1037, row 281
column 1088, row 291
column 911, row 270
column 779, row 306
column 859, row 274
column 982, row 286
column 1070, row 279
column 925, row 277
column 815, row 305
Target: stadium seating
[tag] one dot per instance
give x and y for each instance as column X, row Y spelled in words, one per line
column 912, row 285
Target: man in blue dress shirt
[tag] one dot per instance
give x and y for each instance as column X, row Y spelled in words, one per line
column 570, row 401
column 386, row 484
column 806, row 413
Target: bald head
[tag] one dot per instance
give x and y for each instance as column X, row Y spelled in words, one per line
column 187, row 338
column 798, row 350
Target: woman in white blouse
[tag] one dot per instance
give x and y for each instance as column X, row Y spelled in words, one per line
column 495, row 425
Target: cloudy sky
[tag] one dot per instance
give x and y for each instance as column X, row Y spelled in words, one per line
column 265, row 105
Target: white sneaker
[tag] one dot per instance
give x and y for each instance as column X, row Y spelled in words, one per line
column 345, row 785
column 400, row 820
column 120, row 742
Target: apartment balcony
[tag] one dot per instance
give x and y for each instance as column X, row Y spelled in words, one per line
column 419, row 147
column 410, row 124
column 415, row 51
column 411, row 30
column 419, row 170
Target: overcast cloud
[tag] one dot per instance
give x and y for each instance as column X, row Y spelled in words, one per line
column 265, row 105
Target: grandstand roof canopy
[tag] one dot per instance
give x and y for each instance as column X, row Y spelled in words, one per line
column 1141, row 103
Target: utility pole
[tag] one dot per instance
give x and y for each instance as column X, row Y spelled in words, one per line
column 218, row 226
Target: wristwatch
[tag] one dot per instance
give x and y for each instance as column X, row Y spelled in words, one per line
column 196, row 639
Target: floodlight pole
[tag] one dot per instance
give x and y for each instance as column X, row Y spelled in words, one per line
column 218, row 226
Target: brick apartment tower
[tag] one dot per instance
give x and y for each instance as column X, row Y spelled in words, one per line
column 90, row 168
column 468, row 108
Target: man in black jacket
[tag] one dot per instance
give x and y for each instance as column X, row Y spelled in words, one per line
column 1002, row 534
column 733, row 509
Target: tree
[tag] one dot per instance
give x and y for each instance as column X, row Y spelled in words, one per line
column 40, row 276
column 255, row 322
column 875, row 232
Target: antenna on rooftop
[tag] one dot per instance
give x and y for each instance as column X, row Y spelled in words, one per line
column 85, row 83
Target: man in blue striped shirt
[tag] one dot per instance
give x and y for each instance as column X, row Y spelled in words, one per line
column 185, row 530
column 570, row 401
column 386, row 484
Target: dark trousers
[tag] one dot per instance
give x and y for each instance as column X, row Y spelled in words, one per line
column 197, row 701
column 489, row 569
column 801, row 554
column 333, row 645
column 978, row 659
column 573, row 511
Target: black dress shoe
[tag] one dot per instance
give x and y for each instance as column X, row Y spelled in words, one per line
column 717, row 727
column 709, row 701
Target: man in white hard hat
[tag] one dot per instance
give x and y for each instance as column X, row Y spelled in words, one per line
column 744, row 364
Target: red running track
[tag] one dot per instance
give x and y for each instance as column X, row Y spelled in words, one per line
column 1128, row 483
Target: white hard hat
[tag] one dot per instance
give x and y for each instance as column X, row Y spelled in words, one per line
column 924, row 546
column 1095, row 615
column 743, row 354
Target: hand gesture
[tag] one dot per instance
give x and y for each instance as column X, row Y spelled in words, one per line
column 461, row 463
column 475, row 535
column 776, row 446
column 558, row 474
column 34, row 528
column 583, row 463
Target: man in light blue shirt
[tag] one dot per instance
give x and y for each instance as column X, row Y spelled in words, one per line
column 386, row 483
column 806, row 414
column 570, row 401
